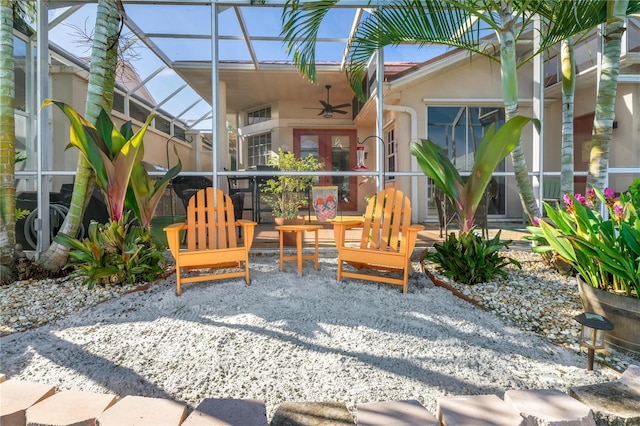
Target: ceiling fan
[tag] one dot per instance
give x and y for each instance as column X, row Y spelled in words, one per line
column 327, row 108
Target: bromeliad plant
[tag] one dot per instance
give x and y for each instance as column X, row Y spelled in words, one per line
column 116, row 156
column 604, row 251
column 467, row 257
column 470, row 259
column 118, row 251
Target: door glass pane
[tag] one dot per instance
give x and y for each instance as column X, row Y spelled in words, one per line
column 340, row 148
column 309, row 145
column 447, row 128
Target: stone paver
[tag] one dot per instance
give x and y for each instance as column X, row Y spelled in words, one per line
column 228, row 412
column 612, row 403
column 16, row 396
column 477, row 410
column 394, row 413
column 312, row 414
column 549, row 407
column 143, row 411
column 631, row 377
column 69, row 408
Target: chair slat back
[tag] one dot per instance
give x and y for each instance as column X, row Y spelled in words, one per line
column 551, row 188
column 210, row 221
column 387, row 215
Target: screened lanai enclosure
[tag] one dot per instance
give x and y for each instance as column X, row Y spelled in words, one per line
column 226, row 98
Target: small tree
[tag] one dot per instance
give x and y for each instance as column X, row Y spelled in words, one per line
column 287, row 193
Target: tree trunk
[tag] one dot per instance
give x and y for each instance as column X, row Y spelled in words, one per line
column 104, row 57
column 607, row 89
column 568, row 92
column 510, row 97
column 7, row 136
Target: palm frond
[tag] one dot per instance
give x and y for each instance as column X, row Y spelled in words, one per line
column 563, row 19
column 300, row 25
column 423, row 23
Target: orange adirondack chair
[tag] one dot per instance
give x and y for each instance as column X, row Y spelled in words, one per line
column 387, row 241
column 211, row 239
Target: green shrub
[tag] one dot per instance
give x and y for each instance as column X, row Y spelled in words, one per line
column 471, row 259
column 116, row 252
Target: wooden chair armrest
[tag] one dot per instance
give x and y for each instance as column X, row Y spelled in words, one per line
column 415, row 228
column 347, row 224
column 248, row 229
column 408, row 242
column 175, row 227
column 340, row 227
column 245, row 223
column 173, row 237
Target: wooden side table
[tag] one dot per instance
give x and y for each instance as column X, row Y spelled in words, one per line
column 299, row 230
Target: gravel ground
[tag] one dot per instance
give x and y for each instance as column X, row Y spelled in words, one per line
column 286, row 338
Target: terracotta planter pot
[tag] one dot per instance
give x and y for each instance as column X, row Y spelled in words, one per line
column 622, row 311
column 289, row 238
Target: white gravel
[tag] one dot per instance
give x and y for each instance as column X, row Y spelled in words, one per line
column 287, row 338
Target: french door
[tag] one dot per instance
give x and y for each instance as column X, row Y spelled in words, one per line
column 336, row 149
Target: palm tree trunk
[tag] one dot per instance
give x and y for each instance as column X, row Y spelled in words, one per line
column 7, row 136
column 607, row 90
column 510, row 97
column 104, row 57
column 568, row 93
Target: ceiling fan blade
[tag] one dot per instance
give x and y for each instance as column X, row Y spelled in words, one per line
column 339, row 111
column 341, row 106
column 312, row 108
column 324, row 104
column 322, row 112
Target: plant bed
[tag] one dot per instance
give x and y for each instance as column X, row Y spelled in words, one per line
column 441, row 281
column 534, row 298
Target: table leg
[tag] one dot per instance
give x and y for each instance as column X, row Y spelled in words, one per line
column 316, row 258
column 281, row 250
column 299, row 248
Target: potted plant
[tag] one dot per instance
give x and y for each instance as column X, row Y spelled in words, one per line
column 605, row 252
column 287, row 194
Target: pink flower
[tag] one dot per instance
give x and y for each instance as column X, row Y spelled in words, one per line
column 567, row 199
column 580, row 198
column 618, row 212
column 536, row 221
column 609, row 193
column 591, row 197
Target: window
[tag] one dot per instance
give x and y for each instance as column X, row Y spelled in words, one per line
column 259, row 149
column 259, row 116
column 392, row 152
column 180, row 133
column 138, row 112
column 118, row 102
column 458, row 130
column 163, row 124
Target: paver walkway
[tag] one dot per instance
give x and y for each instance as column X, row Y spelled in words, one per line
column 26, row 403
